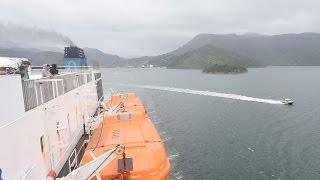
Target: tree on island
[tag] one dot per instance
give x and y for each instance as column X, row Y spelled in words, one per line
column 225, row 69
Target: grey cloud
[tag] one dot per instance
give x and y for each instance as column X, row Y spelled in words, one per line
column 150, row 27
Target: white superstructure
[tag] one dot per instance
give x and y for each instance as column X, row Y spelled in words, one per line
column 42, row 120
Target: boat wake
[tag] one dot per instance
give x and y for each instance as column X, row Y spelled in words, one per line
column 204, row 93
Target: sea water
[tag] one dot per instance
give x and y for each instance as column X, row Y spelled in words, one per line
column 231, row 126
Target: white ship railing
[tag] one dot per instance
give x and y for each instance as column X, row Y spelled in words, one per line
column 40, row 91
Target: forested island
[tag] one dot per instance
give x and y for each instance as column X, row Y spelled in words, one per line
column 225, row 69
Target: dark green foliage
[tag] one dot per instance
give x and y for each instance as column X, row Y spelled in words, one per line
column 224, row 69
column 203, row 57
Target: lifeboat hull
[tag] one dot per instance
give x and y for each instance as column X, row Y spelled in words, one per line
column 126, row 122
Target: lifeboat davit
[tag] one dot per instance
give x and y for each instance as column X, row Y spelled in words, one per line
column 126, row 122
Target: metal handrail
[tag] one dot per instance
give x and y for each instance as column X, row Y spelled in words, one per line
column 75, row 160
column 40, row 91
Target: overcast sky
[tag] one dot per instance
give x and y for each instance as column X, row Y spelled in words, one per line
column 132, row 28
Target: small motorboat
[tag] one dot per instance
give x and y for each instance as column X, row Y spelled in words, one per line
column 287, row 102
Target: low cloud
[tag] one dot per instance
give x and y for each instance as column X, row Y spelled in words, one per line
column 12, row 33
column 145, row 27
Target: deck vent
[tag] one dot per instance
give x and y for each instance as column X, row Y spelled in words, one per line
column 124, row 116
column 123, row 96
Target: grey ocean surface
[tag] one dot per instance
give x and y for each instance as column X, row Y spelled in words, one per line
column 217, row 138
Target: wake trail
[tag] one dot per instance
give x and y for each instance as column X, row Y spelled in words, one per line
column 203, row 93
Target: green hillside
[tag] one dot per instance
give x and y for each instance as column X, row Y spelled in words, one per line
column 277, row 50
column 203, row 57
column 266, row 50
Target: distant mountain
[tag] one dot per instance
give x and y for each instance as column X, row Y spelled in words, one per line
column 36, row 57
column 287, row 49
column 203, row 57
column 277, row 50
column 134, row 62
column 31, row 46
column 249, row 50
column 44, row 46
column 105, row 60
column 39, row 57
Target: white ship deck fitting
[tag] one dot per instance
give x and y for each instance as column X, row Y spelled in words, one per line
column 42, row 121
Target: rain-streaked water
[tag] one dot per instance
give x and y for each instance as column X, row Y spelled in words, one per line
column 232, row 126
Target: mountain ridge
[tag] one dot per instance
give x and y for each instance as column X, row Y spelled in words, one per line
column 38, row 57
column 289, row 49
column 204, row 56
column 269, row 50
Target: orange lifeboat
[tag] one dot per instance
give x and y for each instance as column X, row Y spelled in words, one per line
column 126, row 122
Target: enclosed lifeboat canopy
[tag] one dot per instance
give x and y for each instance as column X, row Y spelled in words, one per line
column 126, row 122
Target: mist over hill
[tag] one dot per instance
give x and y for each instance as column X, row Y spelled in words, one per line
column 38, row 45
column 12, row 35
column 38, row 57
column 42, row 46
column 35, row 56
column 203, row 57
column 278, row 50
column 250, row 50
column 260, row 50
column 105, row 60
